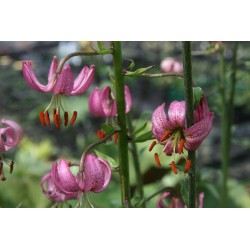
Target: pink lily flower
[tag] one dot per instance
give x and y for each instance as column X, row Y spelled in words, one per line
column 64, row 84
column 13, row 134
column 171, row 132
column 170, row 64
column 176, row 202
column 52, row 192
column 95, row 178
column 101, row 104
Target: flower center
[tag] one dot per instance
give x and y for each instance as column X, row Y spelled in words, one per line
column 173, row 140
column 57, row 105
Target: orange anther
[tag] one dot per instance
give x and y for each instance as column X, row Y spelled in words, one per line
column 164, row 137
column 57, row 122
column 115, row 137
column 99, row 134
column 47, row 117
column 181, row 146
column 187, row 166
column 41, row 117
column 173, row 167
column 152, row 146
column 66, row 118
column 73, row 119
column 157, row 160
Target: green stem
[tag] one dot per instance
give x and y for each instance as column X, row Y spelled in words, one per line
column 121, row 116
column 232, row 93
column 189, row 100
column 134, row 152
column 224, row 135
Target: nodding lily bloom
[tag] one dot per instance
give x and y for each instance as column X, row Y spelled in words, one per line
column 52, row 192
column 95, row 177
column 176, row 202
column 9, row 138
column 170, row 64
column 101, row 104
column 62, row 84
column 171, row 132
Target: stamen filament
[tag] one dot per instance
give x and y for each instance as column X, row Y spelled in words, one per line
column 157, row 160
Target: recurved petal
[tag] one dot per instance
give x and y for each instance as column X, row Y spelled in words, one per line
column 159, row 122
column 64, row 83
column 202, row 110
column 53, row 68
column 95, row 104
column 107, row 101
column 94, row 174
column 13, row 133
column 128, row 99
column 176, row 202
column 176, row 114
column 63, row 178
column 160, row 203
column 83, row 80
column 198, row 132
column 31, row 79
column 107, row 174
column 201, row 197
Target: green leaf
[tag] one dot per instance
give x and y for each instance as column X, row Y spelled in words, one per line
column 107, row 128
column 184, row 191
column 139, row 129
column 100, row 46
column 197, row 96
column 144, row 137
column 107, row 158
column 132, row 64
column 140, row 71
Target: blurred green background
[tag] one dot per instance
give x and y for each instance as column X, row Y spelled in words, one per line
column 42, row 145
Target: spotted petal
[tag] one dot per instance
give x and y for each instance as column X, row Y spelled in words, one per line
column 31, row 79
column 160, row 203
column 108, row 104
column 83, row 80
column 128, row 99
column 176, row 114
column 65, row 81
column 159, row 122
column 198, row 132
column 202, row 110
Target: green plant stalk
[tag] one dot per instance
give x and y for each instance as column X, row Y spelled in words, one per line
column 224, row 134
column 189, row 99
column 134, row 152
column 121, row 116
column 231, row 95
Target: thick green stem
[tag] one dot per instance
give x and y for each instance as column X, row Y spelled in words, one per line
column 121, row 116
column 224, row 135
column 189, row 99
column 134, row 152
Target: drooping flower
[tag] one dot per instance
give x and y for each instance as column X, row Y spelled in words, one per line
column 170, row 64
column 176, row 202
column 9, row 138
column 60, row 180
column 171, row 132
column 101, row 104
column 62, row 84
column 52, row 192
